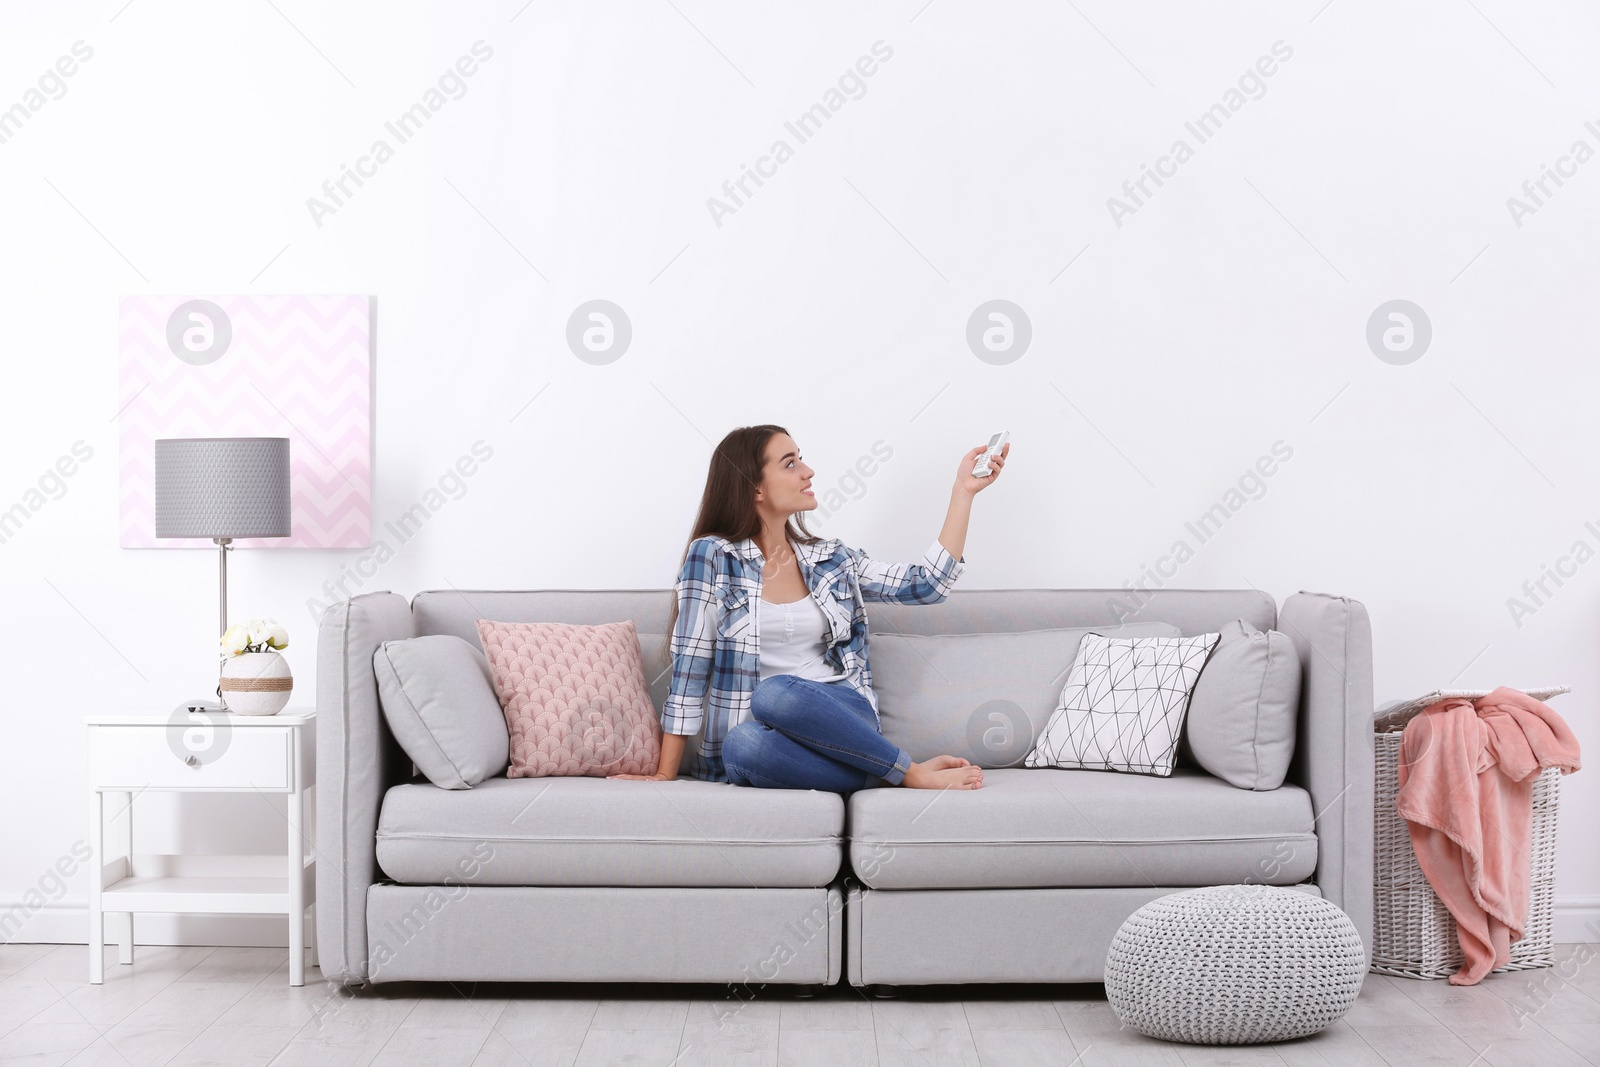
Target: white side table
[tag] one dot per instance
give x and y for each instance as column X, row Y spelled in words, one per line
column 183, row 752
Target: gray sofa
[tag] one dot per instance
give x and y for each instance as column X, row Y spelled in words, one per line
column 1025, row 880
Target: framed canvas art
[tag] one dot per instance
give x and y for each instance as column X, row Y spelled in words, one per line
column 252, row 366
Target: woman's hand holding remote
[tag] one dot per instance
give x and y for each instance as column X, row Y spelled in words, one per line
column 970, row 483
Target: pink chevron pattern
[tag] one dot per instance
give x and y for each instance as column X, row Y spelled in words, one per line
column 298, row 367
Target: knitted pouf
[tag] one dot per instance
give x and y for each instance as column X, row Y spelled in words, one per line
column 1234, row 965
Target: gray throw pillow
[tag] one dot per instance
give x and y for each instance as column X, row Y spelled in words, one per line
column 982, row 696
column 1242, row 714
column 439, row 699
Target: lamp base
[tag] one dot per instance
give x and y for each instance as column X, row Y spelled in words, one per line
column 210, row 707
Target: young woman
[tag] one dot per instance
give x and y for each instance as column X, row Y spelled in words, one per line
column 769, row 633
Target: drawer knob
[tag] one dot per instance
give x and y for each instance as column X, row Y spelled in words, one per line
column 192, row 760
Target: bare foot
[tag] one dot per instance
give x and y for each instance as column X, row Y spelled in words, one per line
column 943, row 772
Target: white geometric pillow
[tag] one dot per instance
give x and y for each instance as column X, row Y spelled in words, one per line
column 1123, row 705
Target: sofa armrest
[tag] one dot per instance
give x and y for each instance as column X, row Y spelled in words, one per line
column 357, row 760
column 1334, row 747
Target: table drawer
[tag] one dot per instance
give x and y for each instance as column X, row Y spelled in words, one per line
column 191, row 757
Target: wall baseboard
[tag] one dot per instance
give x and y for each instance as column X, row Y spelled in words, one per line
column 1576, row 920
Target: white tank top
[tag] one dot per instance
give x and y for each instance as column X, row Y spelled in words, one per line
column 793, row 639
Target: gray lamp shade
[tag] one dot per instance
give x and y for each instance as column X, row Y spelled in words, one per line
column 222, row 487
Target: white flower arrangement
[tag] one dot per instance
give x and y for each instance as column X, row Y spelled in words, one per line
column 257, row 635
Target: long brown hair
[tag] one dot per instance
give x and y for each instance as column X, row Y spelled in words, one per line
column 728, row 505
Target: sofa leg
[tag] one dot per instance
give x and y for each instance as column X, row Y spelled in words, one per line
column 881, row 992
column 807, row 991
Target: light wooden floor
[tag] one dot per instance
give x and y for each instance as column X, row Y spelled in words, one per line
column 234, row 1006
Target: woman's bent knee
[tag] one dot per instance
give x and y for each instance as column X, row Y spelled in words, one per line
column 772, row 696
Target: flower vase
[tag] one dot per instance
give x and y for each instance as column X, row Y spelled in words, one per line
column 256, row 683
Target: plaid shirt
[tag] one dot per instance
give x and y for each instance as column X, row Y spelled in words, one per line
column 716, row 648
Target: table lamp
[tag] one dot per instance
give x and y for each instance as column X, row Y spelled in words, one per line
column 221, row 488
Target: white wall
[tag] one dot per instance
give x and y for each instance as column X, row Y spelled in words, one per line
column 1225, row 314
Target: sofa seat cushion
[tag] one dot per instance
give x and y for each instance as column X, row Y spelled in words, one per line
column 587, row 831
column 1048, row 827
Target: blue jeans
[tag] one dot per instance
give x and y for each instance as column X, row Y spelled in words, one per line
column 810, row 735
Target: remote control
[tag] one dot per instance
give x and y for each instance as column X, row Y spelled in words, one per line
column 996, row 443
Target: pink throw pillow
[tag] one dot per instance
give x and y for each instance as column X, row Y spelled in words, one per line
column 575, row 698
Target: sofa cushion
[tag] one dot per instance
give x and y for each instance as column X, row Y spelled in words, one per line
column 587, row 831
column 1045, row 827
column 440, row 704
column 1241, row 722
column 982, row 696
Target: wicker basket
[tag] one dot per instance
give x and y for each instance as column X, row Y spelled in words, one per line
column 1414, row 934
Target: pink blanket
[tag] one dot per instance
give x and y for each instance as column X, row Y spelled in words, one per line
column 1466, row 787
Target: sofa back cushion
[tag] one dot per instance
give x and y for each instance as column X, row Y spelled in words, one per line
column 1241, row 724
column 967, row 611
column 439, row 700
column 574, row 696
column 982, row 696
